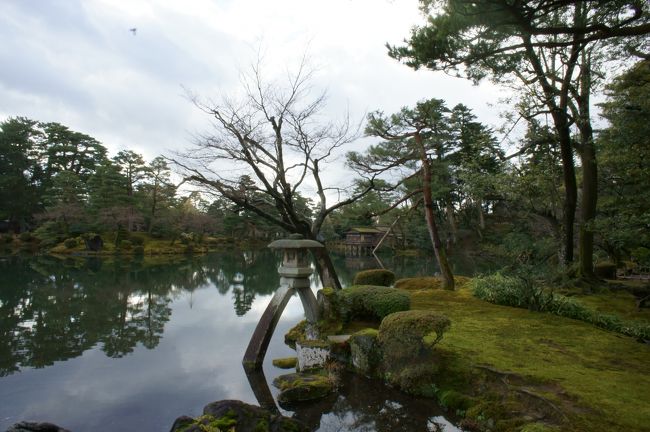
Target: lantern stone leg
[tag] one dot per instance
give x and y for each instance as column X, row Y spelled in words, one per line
column 259, row 343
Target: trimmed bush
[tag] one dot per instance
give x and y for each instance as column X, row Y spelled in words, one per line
column 71, row 243
column 138, row 250
column 125, row 244
column 379, row 277
column 372, row 302
column 409, row 334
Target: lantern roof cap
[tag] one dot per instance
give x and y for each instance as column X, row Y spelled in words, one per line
column 295, row 241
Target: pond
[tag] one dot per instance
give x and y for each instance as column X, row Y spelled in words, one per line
column 107, row 345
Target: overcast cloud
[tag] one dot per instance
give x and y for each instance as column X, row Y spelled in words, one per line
column 76, row 62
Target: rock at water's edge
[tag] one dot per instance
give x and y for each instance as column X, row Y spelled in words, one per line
column 35, row 427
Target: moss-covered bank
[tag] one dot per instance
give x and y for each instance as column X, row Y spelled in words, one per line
column 506, row 368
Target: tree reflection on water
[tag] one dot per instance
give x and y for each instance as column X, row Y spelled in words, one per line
column 55, row 309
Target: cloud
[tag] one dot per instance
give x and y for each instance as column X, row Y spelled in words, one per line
column 76, row 62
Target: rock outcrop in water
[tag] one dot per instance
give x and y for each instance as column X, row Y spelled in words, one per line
column 26, row 426
column 242, row 417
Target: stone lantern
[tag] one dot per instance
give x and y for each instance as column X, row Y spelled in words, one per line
column 294, row 271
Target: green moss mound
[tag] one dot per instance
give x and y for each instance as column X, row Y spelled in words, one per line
column 372, row 302
column 379, row 277
column 407, row 335
column 296, row 334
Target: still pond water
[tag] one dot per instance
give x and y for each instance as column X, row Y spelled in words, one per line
column 97, row 345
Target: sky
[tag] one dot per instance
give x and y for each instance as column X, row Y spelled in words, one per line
column 77, row 62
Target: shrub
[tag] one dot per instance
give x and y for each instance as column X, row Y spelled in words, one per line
column 70, row 243
column 373, row 302
column 408, row 334
column 138, row 250
column 26, row 237
column 379, row 277
column 50, row 234
column 519, row 292
column 125, row 244
column 137, row 240
column 641, row 256
column 186, row 238
column 511, row 291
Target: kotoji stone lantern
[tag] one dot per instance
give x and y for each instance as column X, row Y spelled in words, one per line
column 294, row 271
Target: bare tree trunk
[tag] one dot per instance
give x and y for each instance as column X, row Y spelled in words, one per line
column 438, row 248
column 325, row 269
column 570, row 194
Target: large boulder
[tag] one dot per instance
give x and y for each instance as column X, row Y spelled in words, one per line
column 407, row 335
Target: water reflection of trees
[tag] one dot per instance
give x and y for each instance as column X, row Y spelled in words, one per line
column 52, row 310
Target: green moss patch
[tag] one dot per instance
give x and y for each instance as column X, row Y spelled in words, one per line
column 513, row 362
column 427, row 283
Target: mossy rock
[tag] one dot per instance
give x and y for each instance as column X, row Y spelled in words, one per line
column 365, row 353
column 372, row 302
column 234, row 415
column 455, row 401
column 285, row 363
column 378, row 277
column 296, row 334
column 413, row 378
column 408, row 334
column 301, row 387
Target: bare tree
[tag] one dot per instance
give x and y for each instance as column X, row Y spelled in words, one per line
column 277, row 135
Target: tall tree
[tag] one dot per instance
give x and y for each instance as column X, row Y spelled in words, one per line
column 414, row 137
column 72, row 151
column 21, row 176
column 547, row 46
column 158, row 190
column 277, row 135
column 133, row 168
column 625, row 161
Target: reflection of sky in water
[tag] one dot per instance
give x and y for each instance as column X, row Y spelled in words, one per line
column 197, row 361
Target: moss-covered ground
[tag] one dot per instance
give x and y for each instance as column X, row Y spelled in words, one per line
column 502, row 357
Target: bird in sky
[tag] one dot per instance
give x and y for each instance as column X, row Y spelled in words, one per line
column 133, row 30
